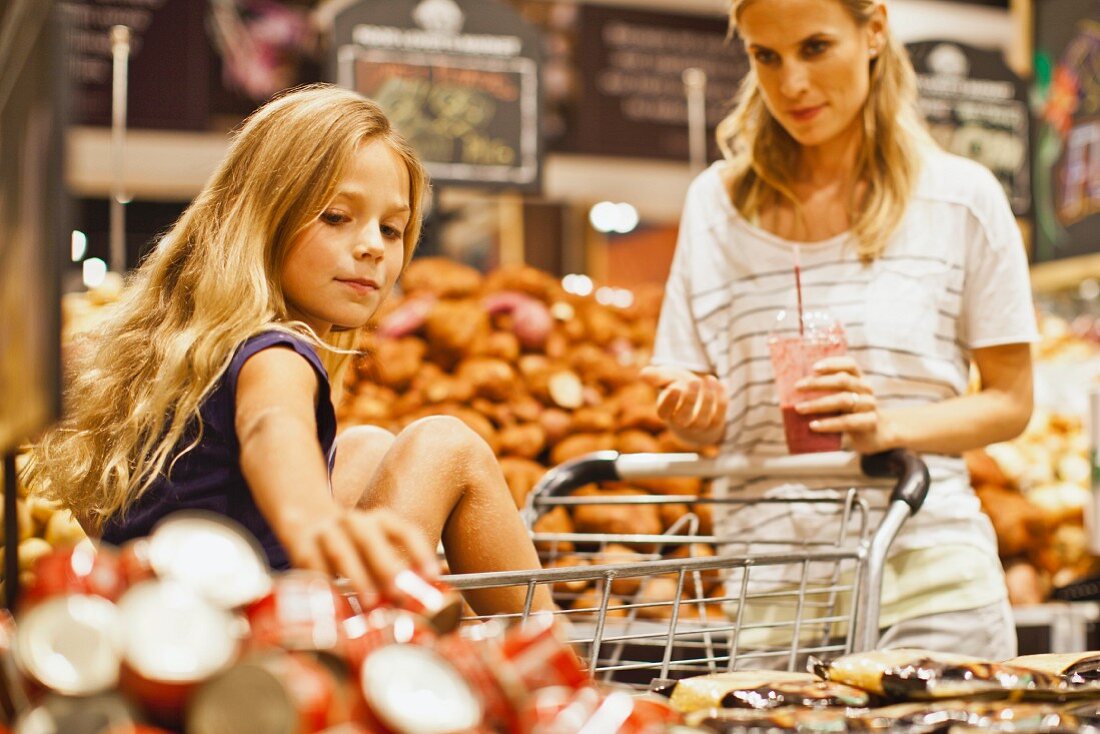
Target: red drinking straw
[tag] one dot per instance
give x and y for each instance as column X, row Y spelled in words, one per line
column 798, row 288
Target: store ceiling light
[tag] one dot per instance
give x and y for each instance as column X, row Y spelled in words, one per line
column 607, row 216
column 80, row 245
column 95, row 272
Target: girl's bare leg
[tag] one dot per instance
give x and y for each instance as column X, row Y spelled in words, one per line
column 444, row 478
column 359, row 452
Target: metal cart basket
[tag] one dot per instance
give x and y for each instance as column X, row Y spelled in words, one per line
column 693, row 600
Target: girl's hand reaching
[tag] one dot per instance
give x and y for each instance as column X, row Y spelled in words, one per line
column 850, row 407
column 694, row 406
column 367, row 547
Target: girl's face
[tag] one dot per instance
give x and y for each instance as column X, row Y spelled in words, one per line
column 812, row 60
column 340, row 268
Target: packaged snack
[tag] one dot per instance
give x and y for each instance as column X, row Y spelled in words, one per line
column 917, row 675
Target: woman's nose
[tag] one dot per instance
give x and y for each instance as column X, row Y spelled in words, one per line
column 794, row 79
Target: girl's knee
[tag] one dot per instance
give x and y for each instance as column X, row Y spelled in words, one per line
column 356, row 441
column 446, row 437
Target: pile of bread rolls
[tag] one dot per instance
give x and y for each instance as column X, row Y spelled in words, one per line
column 1036, row 487
column 541, row 374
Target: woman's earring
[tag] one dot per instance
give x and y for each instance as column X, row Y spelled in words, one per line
column 872, row 52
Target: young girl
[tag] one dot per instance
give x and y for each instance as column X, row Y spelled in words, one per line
column 914, row 250
column 208, row 388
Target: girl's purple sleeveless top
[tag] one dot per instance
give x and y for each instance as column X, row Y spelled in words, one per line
column 209, row 476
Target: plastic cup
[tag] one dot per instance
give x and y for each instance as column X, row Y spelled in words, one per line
column 793, row 356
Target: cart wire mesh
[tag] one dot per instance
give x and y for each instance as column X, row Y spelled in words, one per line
column 690, row 600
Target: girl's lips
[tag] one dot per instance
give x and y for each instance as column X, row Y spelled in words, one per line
column 359, row 286
column 806, row 113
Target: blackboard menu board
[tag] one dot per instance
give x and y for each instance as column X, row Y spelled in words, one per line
column 1067, row 140
column 631, row 63
column 460, row 82
column 168, row 67
column 976, row 107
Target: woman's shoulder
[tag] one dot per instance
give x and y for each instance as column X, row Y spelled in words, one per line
column 950, row 178
column 708, row 195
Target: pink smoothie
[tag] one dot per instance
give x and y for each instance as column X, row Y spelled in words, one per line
column 793, row 358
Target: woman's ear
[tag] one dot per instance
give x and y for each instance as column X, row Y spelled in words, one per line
column 876, row 29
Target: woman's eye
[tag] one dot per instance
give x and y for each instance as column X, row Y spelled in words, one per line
column 813, row 48
column 764, row 57
column 333, row 218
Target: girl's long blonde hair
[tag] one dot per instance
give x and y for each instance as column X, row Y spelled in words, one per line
column 764, row 156
column 210, row 283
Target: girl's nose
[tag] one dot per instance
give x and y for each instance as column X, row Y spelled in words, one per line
column 370, row 245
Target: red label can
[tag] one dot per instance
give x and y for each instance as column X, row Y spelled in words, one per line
column 79, row 569
column 304, row 611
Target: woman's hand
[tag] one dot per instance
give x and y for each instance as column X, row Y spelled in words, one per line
column 694, row 406
column 850, row 407
column 367, row 547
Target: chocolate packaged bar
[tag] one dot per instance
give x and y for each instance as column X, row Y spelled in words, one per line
column 915, row 675
column 1074, row 667
column 791, row 719
column 764, row 689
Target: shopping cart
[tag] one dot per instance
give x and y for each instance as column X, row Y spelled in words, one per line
column 690, row 600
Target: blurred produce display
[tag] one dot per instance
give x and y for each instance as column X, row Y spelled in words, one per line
column 542, row 374
column 1036, row 487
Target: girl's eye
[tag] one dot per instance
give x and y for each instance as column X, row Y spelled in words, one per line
column 333, row 218
column 392, row 232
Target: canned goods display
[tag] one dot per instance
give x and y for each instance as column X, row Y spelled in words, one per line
column 366, row 633
column 172, row 640
column 433, row 600
column 413, row 689
column 275, row 693
column 303, row 611
column 212, row 555
column 79, row 569
column 71, row 645
column 105, row 713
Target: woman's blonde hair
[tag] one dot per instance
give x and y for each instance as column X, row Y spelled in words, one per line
column 763, row 155
column 210, row 283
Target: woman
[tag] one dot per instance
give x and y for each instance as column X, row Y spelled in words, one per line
column 914, row 250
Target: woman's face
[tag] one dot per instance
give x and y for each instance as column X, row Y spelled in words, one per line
column 340, row 268
column 813, row 62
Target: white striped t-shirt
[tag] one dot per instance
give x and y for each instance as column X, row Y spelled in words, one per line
column 953, row 279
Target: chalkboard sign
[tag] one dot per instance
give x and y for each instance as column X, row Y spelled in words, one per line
column 631, row 64
column 1067, row 140
column 168, row 67
column 460, row 83
column 976, row 107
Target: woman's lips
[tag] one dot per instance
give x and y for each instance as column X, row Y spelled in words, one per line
column 805, row 114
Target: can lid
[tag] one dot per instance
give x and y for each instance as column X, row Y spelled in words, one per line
column 247, row 697
column 212, row 555
column 57, row 714
column 172, row 634
column 71, row 644
column 414, row 690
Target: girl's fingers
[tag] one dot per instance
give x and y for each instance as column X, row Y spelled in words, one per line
column 408, row 536
column 343, row 559
column 376, row 550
